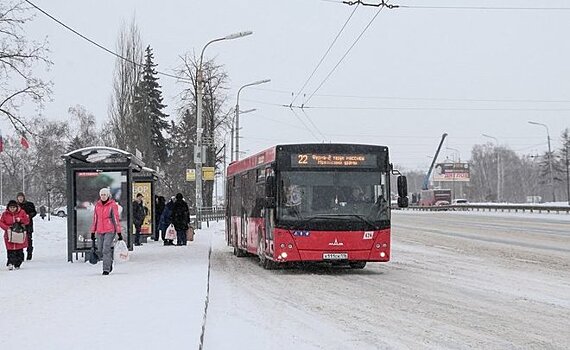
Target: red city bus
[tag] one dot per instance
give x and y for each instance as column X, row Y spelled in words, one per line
column 312, row 203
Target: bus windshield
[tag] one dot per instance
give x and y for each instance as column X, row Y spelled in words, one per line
column 333, row 200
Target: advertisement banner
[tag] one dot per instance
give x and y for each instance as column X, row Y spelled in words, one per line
column 144, row 188
column 451, row 172
column 87, row 186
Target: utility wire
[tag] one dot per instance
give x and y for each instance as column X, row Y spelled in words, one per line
column 420, row 98
column 325, row 55
column 345, row 54
column 99, row 45
column 409, row 108
column 303, row 122
column 313, row 124
column 482, row 8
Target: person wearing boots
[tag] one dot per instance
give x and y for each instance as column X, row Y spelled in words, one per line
column 14, row 216
column 30, row 209
column 180, row 219
column 106, row 224
column 166, row 220
column 138, row 217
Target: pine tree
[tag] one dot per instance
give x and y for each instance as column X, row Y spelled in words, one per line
column 151, row 124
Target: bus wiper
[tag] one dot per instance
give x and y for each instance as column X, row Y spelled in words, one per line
column 337, row 216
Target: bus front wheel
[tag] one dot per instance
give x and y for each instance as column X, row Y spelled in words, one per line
column 357, row 264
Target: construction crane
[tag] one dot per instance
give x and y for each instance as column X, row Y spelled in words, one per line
column 425, row 185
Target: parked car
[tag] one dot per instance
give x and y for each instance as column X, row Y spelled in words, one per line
column 460, row 201
column 60, row 211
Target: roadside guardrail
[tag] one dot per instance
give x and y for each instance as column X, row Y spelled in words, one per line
column 496, row 207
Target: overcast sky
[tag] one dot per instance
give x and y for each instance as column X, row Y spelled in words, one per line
column 415, row 73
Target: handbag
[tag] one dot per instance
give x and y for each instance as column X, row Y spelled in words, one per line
column 16, row 237
column 171, row 232
column 121, row 252
column 17, row 233
column 190, row 233
column 93, row 257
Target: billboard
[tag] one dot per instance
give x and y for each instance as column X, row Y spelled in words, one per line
column 87, row 186
column 451, row 172
column 144, row 188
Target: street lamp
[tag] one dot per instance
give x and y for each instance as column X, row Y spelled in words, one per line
column 237, row 111
column 549, row 158
column 232, row 131
column 499, row 177
column 198, row 150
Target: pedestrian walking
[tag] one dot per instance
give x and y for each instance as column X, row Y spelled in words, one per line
column 180, row 219
column 43, row 212
column 159, row 204
column 13, row 221
column 139, row 213
column 105, row 225
column 30, row 209
column 166, row 220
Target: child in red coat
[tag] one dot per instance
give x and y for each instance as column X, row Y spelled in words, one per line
column 12, row 215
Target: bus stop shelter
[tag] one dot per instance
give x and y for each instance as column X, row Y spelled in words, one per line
column 87, row 171
column 144, row 182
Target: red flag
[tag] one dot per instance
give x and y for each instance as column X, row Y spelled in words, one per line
column 24, row 142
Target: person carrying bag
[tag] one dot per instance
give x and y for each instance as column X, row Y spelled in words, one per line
column 105, row 225
column 13, row 222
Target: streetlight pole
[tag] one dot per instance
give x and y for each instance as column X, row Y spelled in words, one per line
column 549, row 158
column 232, row 131
column 237, row 111
column 199, row 96
column 499, row 177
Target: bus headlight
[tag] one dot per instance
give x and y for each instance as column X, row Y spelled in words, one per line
column 382, row 254
column 283, row 255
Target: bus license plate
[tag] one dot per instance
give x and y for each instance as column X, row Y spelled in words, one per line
column 335, row 256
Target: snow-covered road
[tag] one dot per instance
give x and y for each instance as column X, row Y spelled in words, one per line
column 456, row 280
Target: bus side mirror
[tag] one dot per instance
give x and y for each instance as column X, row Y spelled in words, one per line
column 270, row 201
column 402, row 186
column 402, row 192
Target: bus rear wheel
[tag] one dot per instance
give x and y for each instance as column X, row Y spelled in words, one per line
column 239, row 252
column 357, row 264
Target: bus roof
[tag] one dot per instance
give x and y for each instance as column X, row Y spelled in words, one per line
column 268, row 156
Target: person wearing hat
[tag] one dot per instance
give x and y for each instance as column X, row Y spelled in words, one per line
column 10, row 218
column 30, row 209
column 180, row 219
column 105, row 225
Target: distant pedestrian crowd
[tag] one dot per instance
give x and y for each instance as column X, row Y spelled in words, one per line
column 172, row 225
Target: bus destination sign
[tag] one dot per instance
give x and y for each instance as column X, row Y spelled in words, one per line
column 364, row 160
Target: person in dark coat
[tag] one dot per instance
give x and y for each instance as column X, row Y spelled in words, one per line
column 139, row 214
column 12, row 216
column 166, row 220
column 180, row 219
column 30, row 209
column 160, row 203
column 43, row 212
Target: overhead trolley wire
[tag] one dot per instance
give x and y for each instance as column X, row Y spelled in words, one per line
column 99, row 45
column 325, row 55
column 344, row 56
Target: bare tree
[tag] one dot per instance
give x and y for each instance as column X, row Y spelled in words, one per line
column 19, row 56
column 126, row 78
column 215, row 113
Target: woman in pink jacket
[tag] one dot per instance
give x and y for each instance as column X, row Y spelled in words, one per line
column 12, row 215
column 105, row 225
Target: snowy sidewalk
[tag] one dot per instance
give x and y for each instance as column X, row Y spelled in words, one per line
column 154, row 301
